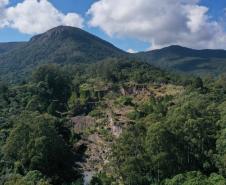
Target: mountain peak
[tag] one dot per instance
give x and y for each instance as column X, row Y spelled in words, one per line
column 62, row 34
column 61, row 45
column 60, row 31
column 174, row 48
column 63, row 30
column 177, row 47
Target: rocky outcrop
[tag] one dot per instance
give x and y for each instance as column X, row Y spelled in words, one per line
column 134, row 89
column 82, row 123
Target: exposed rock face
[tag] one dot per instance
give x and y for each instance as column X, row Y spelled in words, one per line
column 134, row 90
column 88, row 177
column 82, row 123
column 96, row 153
column 109, row 122
column 116, row 130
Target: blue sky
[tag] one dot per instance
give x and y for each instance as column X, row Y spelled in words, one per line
column 131, row 38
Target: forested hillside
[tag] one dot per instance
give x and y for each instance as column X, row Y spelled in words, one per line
column 122, row 122
column 61, row 45
column 75, row 110
column 185, row 60
column 68, row 45
column 7, row 47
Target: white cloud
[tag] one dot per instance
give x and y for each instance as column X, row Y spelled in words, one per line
column 37, row 16
column 3, row 22
column 131, row 51
column 159, row 22
column 3, row 3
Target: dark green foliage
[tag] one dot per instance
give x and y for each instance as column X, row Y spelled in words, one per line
column 195, row 178
column 125, row 69
column 101, row 179
column 31, row 178
column 221, row 146
column 179, row 138
column 167, row 139
column 159, row 148
column 126, row 100
column 61, row 45
column 197, row 83
column 128, row 157
column 67, row 45
column 7, row 47
column 52, row 91
column 185, row 60
column 33, row 144
column 157, row 108
column 193, row 122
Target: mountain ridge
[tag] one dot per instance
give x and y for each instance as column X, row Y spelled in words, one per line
column 189, row 51
column 69, row 45
column 9, row 46
column 187, row 60
column 61, row 45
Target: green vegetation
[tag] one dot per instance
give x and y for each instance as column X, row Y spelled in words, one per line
column 186, row 60
column 124, row 121
column 37, row 138
column 34, row 144
column 68, row 45
column 168, row 138
column 7, row 47
column 61, row 45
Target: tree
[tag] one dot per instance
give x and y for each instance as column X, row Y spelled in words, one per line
column 185, row 140
column 221, row 154
column 193, row 121
column 31, row 178
column 53, row 87
column 195, row 178
column 101, row 179
column 221, row 144
column 35, row 144
column 128, row 157
column 160, row 148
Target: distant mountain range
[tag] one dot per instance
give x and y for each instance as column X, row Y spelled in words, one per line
column 186, row 60
column 69, row 45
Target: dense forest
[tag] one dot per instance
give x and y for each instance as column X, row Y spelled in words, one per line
column 147, row 126
column 60, row 45
column 187, row 60
column 69, row 45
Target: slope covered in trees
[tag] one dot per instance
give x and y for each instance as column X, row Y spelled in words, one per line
column 186, row 60
column 37, row 137
column 68, row 45
column 146, row 127
column 89, row 113
column 7, row 47
column 61, row 45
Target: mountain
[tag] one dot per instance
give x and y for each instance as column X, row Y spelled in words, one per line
column 186, row 60
column 69, row 45
column 9, row 46
column 62, row 45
